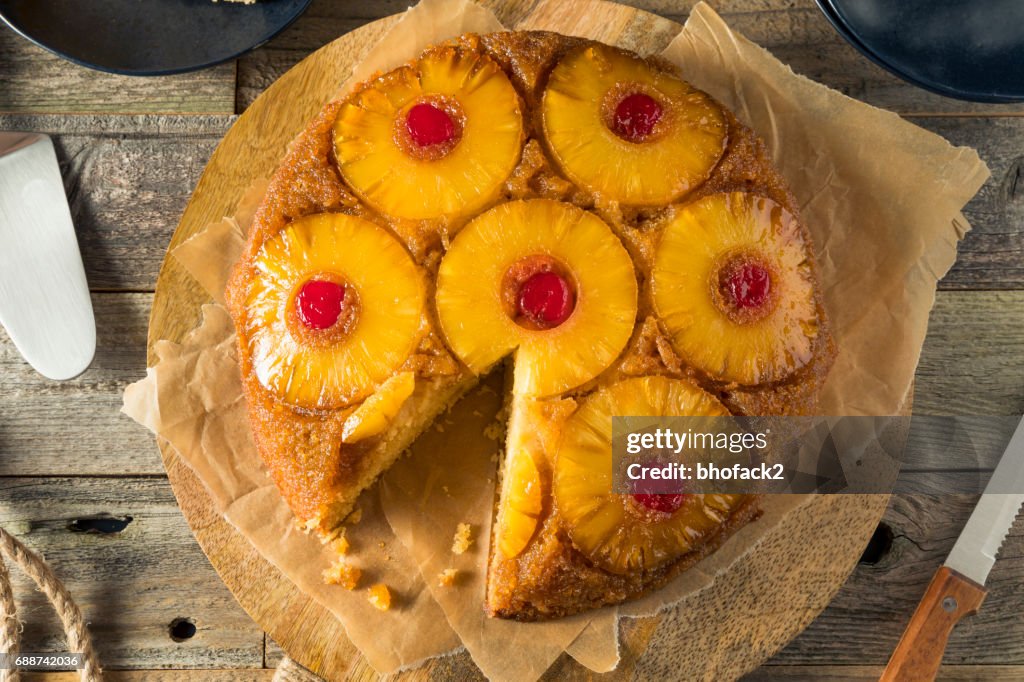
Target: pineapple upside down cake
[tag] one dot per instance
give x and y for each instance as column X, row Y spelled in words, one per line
column 613, row 235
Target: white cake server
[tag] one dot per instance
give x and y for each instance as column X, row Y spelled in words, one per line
column 44, row 297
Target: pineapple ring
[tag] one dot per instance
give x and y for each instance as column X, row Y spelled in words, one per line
column 336, row 369
column 474, row 316
column 683, row 149
column 605, row 525
column 705, row 237
column 380, row 167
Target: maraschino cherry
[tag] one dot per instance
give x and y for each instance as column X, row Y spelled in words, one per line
column 429, row 125
column 666, row 504
column 546, row 299
column 319, row 303
column 635, row 117
column 748, row 285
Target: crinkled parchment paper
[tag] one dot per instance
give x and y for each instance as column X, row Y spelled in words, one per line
column 192, row 397
column 882, row 198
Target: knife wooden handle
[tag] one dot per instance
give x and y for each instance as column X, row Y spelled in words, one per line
column 949, row 598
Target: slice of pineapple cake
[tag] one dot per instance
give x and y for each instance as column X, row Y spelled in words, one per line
column 334, row 341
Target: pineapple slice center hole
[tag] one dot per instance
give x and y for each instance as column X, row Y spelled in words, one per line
column 430, row 128
column 744, row 288
column 636, row 116
column 539, row 293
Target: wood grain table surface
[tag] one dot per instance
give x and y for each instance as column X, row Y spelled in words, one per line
column 84, row 485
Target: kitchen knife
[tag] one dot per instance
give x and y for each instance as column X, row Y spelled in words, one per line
column 957, row 589
column 44, row 298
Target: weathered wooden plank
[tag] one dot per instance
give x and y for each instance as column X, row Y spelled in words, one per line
column 192, row 675
column 973, row 363
column 156, row 559
column 973, row 356
column 132, row 585
column 800, row 35
column 34, row 80
column 128, row 179
column 75, row 427
column 38, row 81
column 867, row 673
column 795, row 31
column 865, row 620
column 320, row 24
column 767, row 673
column 272, row 652
column 992, row 254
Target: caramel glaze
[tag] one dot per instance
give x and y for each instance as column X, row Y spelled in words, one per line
column 303, row 450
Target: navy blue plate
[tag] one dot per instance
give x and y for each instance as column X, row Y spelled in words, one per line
column 968, row 49
column 149, row 37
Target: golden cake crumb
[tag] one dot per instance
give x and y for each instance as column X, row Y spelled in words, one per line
column 446, row 578
column 380, row 596
column 342, row 573
column 463, row 538
column 355, row 517
column 493, row 431
column 340, row 544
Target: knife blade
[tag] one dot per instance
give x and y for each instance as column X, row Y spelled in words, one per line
column 975, row 550
column 957, row 588
column 44, row 297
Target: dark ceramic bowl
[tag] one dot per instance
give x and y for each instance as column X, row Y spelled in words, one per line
column 149, row 37
column 968, row 49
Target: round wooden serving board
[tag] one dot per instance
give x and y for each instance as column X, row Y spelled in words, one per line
column 748, row 613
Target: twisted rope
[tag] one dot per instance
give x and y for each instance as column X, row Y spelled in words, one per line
column 70, row 615
column 9, row 625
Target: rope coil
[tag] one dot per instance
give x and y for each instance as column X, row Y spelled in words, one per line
column 67, row 610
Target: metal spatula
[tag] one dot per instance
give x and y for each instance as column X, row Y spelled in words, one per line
column 44, row 297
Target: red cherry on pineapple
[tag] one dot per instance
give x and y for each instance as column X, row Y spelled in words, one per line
column 667, row 504
column 749, row 285
column 546, row 299
column 429, row 125
column 319, row 303
column 636, row 116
